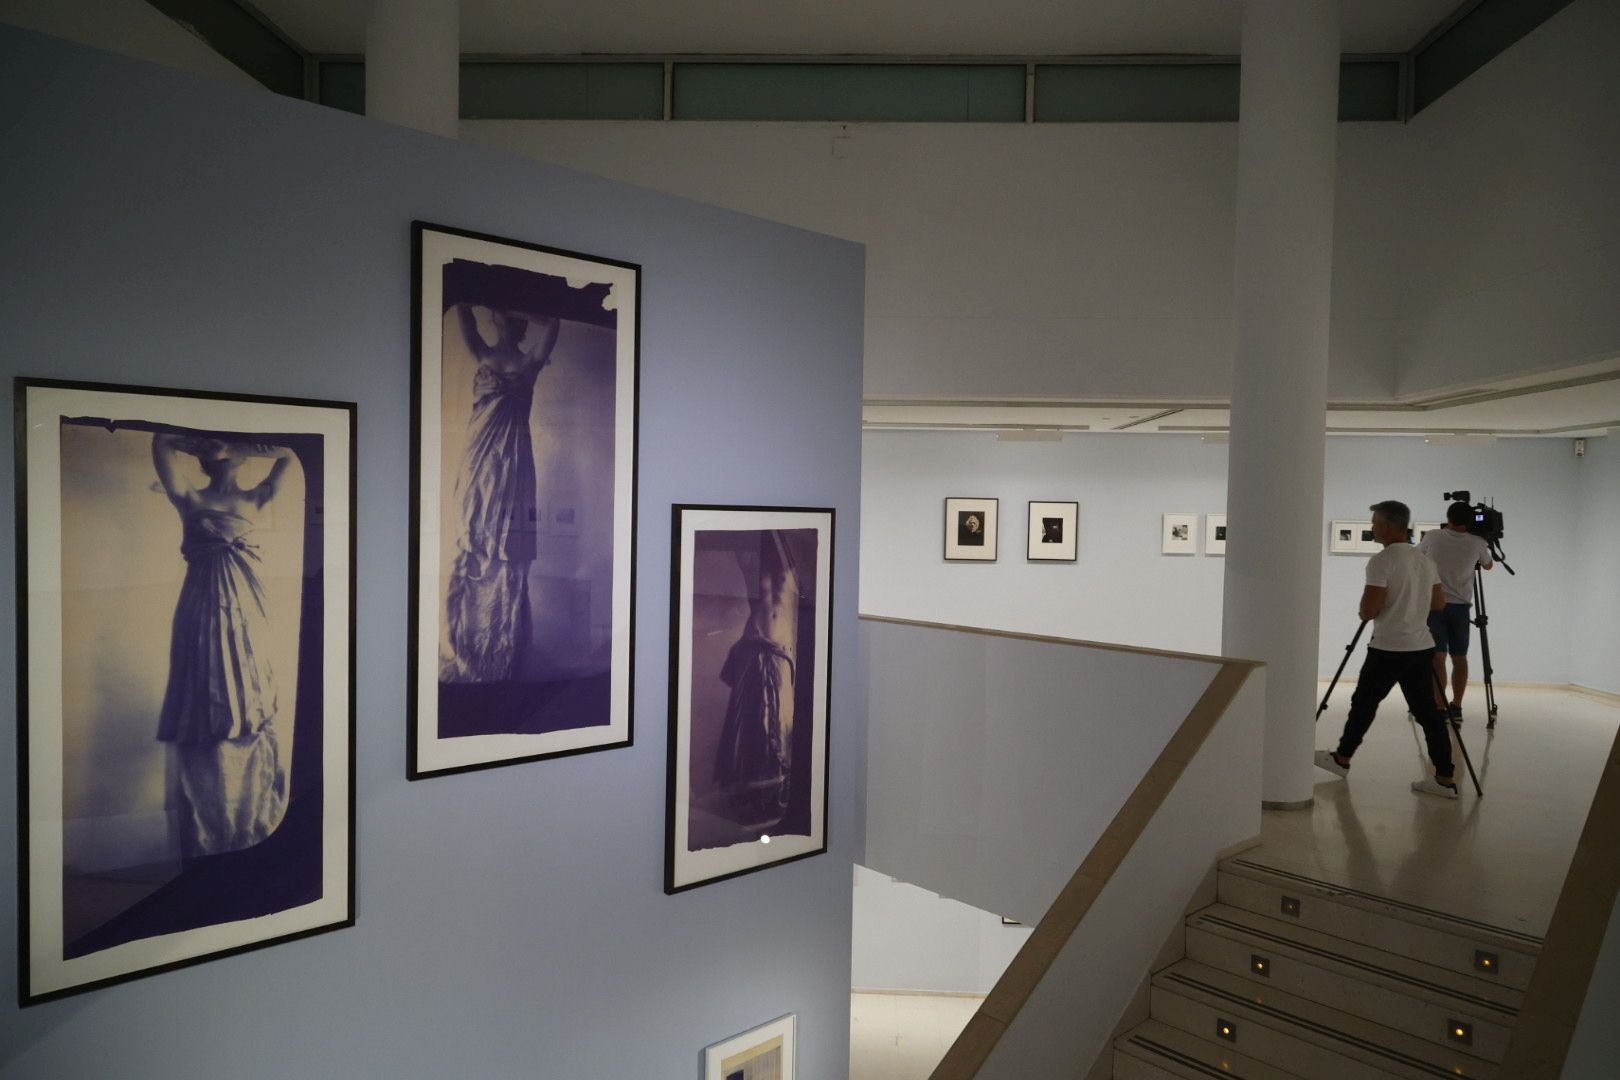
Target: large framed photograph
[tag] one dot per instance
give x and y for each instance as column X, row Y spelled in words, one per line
column 1178, row 534
column 750, row 648
column 971, row 526
column 185, row 632
column 765, row 1053
column 1052, row 531
column 523, row 458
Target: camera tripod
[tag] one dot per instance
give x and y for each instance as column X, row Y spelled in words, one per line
column 1456, row 725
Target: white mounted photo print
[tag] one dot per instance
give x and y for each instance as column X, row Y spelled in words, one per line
column 1346, row 538
column 970, row 529
column 1052, row 528
column 765, row 1053
column 1215, row 534
column 1178, row 534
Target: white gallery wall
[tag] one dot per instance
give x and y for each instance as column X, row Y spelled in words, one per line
column 1123, row 590
column 907, row 938
column 1512, row 259
column 1094, row 260
column 1087, row 260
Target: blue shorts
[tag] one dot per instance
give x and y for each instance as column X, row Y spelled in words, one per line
column 1450, row 629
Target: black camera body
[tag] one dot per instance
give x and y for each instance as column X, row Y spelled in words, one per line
column 1487, row 522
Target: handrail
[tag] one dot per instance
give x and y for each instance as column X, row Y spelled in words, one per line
column 995, row 1015
column 1563, row 971
column 1140, row 650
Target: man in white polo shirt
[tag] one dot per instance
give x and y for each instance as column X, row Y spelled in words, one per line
column 1455, row 552
column 1402, row 588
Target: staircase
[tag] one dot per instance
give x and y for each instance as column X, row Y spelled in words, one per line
column 1290, row 978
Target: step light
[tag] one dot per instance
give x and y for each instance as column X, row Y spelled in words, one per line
column 1486, row 962
column 1290, row 906
column 1260, row 966
column 1225, row 1029
column 1459, row 1031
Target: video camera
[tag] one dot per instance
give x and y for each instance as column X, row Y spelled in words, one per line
column 1487, row 523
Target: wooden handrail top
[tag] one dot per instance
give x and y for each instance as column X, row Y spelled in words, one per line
column 1140, row 650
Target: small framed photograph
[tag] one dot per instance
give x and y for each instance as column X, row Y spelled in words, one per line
column 970, row 529
column 1215, row 534
column 1178, row 534
column 765, row 1053
column 750, row 647
column 1052, row 531
column 523, row 456
column 185, row 630
column 1346, row 538
column 1424, row 528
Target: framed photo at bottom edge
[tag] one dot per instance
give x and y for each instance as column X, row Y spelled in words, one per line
column 765, row 1053
column 185, row 633
column 750, row 652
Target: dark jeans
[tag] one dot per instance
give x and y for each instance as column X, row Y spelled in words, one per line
column 1415, row 673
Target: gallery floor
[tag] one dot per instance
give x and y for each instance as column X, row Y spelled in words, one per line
column 1500, row 860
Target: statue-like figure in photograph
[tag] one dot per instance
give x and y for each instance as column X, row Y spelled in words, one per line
column 487, row 594
column 754, row 764
column 221, row 700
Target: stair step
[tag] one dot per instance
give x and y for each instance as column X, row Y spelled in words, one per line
column 1153, row 1051
column 1312, row 1039
column 1383, row 987
column 1434, row 937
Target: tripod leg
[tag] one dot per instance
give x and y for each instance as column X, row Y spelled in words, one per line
column 1456, row 729
column 1348, row 649
column 1482, row 620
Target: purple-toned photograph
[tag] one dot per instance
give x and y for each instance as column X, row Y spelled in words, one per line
column 753, row 630
column 190, row 723
column 525, row 384
column 752, row 596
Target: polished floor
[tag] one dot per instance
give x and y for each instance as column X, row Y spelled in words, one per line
column 1500, row 859
column 903, row 1036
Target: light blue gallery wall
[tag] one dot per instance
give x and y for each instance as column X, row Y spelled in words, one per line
column 1122, row 589
column 1595, row 613
column 512, row 923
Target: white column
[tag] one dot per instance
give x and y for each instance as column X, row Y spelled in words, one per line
column 1287, row 144
column 413, row 64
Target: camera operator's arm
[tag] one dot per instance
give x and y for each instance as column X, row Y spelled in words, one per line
column 1372, row 601
column 1437, row 598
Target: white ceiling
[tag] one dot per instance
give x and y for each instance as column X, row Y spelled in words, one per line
column 835, row 27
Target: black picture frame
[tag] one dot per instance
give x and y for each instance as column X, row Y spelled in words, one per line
column 191, row 907
column 514, row 712
column 1067, row 546
column 738, row 547
column 964, row 543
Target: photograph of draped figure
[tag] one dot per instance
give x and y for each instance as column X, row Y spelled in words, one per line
column 753, row 727
column 525, row 396
column 189, row 716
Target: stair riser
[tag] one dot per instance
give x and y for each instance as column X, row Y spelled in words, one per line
column 1379, row 931
column 1257, row 1041
column 1130, row 1067
column 1301, row 975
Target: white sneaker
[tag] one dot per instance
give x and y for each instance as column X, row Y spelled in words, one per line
column 1431, row 786
column 1324, row 760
